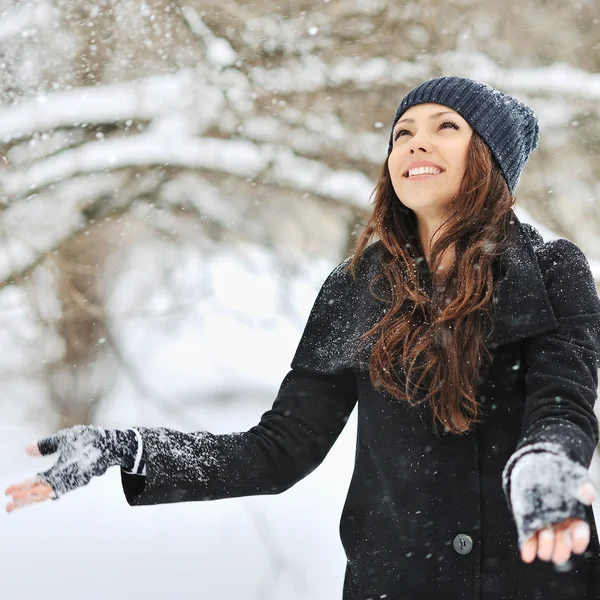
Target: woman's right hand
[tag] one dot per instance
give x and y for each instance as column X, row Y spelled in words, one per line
column 84, row 451
column 29, row 491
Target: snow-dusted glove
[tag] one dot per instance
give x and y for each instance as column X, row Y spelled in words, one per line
column 85, row 451
column 541, row 485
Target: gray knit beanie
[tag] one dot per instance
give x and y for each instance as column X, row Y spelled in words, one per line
column 507, row 126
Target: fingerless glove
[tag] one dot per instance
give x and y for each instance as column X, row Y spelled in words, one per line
column 86, row 451
column 541, row 483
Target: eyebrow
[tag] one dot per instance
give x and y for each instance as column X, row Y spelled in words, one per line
column 433, row 116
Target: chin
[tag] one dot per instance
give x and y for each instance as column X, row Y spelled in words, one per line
column 425, row 201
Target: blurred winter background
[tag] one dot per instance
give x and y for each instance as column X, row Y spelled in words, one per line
column 177, row 178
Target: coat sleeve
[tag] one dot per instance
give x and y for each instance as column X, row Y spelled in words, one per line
column 311, row 408
column 561, row 390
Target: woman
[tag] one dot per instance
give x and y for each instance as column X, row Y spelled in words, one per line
column 471, row 347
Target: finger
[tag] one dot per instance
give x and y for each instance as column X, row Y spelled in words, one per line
column 580, row 536
column 43, row 489
column 562, row 546
column 546, row 543
column 33, row 449
column 47, row 445
column 586, row 493
column 26, row 484
column 529, row 549
column 12, row 506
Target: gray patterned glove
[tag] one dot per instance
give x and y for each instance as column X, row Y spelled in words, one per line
column 85, row 451
column 541, row 485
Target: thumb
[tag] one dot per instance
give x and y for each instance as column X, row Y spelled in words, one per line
column 44, row 446
column 586, row 493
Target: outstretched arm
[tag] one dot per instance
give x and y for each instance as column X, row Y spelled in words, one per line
column 291, row 440
column 314, row 402
column 545, row 480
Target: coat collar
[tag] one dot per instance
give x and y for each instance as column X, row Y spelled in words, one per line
column 523, row 308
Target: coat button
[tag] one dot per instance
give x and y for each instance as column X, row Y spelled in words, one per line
column 463, row 543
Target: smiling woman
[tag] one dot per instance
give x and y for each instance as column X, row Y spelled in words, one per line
column 471, row 348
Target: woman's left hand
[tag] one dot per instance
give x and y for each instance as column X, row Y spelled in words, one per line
column 560, row 540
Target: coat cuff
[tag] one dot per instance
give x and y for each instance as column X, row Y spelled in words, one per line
column 139, row 465
column 541, row 483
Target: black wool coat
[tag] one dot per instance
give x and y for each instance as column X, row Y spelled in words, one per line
column 425, row 516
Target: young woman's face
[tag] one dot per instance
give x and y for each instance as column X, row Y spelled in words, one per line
column 434, row 134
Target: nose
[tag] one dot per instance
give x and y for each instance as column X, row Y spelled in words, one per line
column 419, row 142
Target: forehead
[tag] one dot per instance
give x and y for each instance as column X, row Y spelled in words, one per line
column 426, row 109
column 430, row 111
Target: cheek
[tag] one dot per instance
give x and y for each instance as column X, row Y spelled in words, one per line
column 394, row 165
column 459, row 173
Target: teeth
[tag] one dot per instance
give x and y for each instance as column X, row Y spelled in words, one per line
column 423, row 170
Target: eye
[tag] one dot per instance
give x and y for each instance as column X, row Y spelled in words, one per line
column 442, row 126
column 452, row 123
column 399, row 132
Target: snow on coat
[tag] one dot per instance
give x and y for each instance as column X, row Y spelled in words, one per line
column 426, row 515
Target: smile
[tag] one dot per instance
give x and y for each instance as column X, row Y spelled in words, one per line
column 423, row 172
column 422, row 176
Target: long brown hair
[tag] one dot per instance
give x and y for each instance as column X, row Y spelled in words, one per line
column 437, row 334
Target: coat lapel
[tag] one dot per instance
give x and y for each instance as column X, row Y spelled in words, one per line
column 523, row 308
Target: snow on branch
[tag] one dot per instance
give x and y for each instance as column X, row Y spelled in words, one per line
column 218, row 50
column 143, row 99
column 558, row 80
column 344, row 185
column 237, row 157
column 25, row 17
column 34, row 227
column 311, row 74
